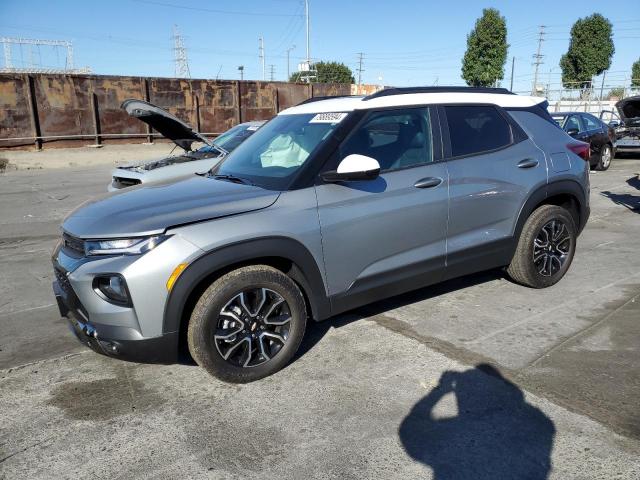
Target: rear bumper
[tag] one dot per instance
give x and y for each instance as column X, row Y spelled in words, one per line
column 123, row 343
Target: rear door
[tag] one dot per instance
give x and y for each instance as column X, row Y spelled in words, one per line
column 493, row 167
column 386, row 235
column 597, row 133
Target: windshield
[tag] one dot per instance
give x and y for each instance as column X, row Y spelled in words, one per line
column 230, row 139
column 276, row 152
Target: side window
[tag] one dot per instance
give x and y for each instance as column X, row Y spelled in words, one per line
column 573, row 123
column 590, row 123
column 395, row 138
column 476, row 129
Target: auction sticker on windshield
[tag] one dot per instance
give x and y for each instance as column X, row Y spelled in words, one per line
column 330, row 117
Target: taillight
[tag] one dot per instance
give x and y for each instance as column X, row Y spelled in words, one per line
column 582, row 149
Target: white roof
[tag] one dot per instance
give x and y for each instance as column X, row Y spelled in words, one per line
column 348, row 104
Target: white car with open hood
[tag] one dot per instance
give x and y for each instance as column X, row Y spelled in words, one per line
column 188, row 161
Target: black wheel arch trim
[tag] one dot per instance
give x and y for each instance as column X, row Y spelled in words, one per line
column 559, row 187
column 305, row 271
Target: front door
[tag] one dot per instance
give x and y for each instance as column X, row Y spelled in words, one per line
column 384, row 236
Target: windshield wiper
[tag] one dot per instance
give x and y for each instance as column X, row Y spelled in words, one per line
column 232, row 178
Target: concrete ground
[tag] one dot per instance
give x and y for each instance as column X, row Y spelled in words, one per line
column 87, row 156
column 474, row 378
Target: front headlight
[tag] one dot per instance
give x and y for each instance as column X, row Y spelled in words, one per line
column 123, row 246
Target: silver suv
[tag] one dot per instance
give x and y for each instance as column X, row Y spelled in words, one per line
column 333, row 204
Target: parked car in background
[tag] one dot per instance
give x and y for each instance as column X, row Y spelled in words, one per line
column 333, row 204
column 627, row 125
column 174, row 166
column 590, row 129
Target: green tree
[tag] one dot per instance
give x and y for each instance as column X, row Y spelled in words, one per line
column 616, row 92
column 483, row 62
column 635, row 73
column 590, row 51
column 328, row 72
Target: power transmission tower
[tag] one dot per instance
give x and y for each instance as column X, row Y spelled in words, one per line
column 360, row 69
column 537, row 59
column 31, row 66
column 261, row 54
column 180, row 55
column 241, row 70
column 272, row 71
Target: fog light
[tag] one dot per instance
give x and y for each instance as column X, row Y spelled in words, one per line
column 112, row 288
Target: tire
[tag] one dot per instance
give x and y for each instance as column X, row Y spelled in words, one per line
column 605, row 158
column 528, row 265
column 234, row 326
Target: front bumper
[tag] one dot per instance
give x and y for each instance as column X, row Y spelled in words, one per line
column 114, row 341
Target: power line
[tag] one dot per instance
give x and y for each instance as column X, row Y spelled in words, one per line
column 212, row 10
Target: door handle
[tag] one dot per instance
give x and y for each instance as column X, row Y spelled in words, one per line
column 428, row 182
column 527, row 163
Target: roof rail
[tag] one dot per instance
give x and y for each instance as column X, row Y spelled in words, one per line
column 406, row 90
column 325, row 97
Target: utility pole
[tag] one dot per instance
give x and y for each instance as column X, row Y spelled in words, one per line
column 360, row 69
column 288, row 52
column 513, row 64
column 261, row 50
column 306, row 13
column 604, row 74
column 241, row 70
column 272, row 69
column 537, row 59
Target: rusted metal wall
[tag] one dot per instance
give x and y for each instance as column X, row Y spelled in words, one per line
column 72, row 110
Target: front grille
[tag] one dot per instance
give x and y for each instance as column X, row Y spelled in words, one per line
column 122, row 182
column 73, row 244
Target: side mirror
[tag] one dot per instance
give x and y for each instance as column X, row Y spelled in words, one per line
column 353, row 167
column 614, row 124
column 573, row 131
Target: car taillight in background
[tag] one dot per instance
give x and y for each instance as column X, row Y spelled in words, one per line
column 582, row 149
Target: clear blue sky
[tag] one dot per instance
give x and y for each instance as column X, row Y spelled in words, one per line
column 406, row 42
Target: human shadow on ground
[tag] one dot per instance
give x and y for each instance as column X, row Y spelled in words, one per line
column 495, row 433
column 632, row 202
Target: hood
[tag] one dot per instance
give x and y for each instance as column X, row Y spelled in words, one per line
column 147, row 165
column 629, row 109
column 169, row 126
column 154, row 207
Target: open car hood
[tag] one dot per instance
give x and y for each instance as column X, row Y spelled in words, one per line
column 168, row 125
column 629, row 109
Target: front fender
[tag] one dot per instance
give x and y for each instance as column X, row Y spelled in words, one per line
column 305, row 272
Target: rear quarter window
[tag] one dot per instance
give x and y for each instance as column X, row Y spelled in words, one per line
column 475, row 129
